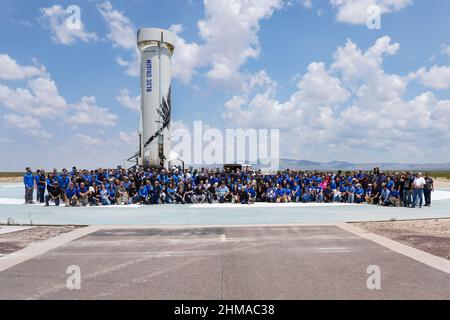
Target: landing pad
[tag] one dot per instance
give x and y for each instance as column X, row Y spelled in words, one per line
column 12, row 207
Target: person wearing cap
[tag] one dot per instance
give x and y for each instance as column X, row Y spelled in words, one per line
column 53, row 190
column 28, row 181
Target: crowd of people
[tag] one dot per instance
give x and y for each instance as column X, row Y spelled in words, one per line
column 176, row 186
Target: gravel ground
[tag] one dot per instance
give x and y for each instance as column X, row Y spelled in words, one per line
column 15, row 241
column 441, row 183
column 432, row 236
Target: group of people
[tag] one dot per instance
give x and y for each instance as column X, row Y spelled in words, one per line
column 160, row 186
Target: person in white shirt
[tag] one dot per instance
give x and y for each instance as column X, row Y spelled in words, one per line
column 418, row 185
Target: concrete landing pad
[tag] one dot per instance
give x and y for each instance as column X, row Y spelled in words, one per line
column 292, row 262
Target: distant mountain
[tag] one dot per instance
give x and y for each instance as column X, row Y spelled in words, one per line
column 343, row 165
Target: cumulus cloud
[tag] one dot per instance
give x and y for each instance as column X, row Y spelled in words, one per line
column 352, row 107
column 229, row 38
column 229, row 32
column 11, row 70
column 130, row 138
column 355, row 11
column 87, row 112
column 128, row 101
column 437, row 77
column 28, row 125
column 122, row 34
column 42, row 99
column 63, row 32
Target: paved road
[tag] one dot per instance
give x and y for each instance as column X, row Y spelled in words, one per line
column 223, row 263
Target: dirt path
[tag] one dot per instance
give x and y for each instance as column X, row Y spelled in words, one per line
column 15, row 241
column 432, row 236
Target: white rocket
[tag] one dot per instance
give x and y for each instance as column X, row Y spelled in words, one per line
column 156, row 47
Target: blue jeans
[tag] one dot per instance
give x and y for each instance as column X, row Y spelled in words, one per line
column 406, row 197
column 351, row 198
column 417, row 197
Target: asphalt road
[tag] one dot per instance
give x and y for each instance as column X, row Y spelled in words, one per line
column 290, row 262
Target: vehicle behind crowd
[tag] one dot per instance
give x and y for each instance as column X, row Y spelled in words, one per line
column 190, row 186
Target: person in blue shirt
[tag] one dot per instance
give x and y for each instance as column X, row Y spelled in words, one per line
column 64, row 181
column 308, row 195
column 385, row 196
column 40, row 183
column 251, row 192
column 71, row 196
column 28, row 181
column 395, row 197
column 112, row 193
column 359, row 194
column 350, row 193
column 143, row 194
column 281, row 194
column 170, row 193
column 296, row 192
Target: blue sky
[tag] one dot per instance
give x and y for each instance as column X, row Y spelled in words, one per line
column 335, row 89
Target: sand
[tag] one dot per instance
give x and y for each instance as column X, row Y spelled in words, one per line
column 15, row 241
column 432, row 236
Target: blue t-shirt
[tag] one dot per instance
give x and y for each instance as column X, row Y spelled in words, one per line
column 28, row 180
column 70, row 193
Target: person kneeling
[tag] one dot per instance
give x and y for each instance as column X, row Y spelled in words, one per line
column 54, row 194
column 71, row 196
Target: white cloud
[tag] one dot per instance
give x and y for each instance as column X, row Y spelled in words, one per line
column 28, row 125
column 355, row 11
column 86, row 140
column 87, row 112
column 126, row 100
column 121, row 30
column 354, row 109
column 306, row 3
column 122, row 34
column 229, row 34
column 56, row 17
column 41, row 98
column 446, row 50
column 130, row 138
column 437, row 77
column 11, row 70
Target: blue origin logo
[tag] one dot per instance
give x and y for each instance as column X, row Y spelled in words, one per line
column 149, row 81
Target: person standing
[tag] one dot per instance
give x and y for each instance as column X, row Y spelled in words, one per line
column 28, row 181
column 41, row 184
column 428, row 189
column 407, row 192
column 418, row 186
